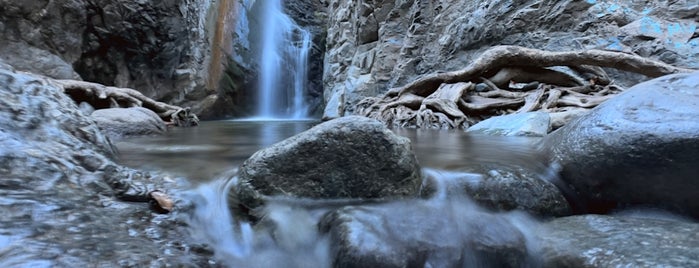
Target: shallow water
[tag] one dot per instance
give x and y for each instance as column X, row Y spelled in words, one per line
column 203, row 152
column 209, row 154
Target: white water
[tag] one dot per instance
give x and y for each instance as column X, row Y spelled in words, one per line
column 283, row 64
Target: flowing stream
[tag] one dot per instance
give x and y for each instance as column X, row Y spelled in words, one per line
column 209, row 155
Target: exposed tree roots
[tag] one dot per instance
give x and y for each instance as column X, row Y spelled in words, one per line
column 100, row 96
column 510, row 79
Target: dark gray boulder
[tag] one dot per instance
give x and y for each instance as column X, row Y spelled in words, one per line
column 616, row 241
column 501, row 188
column 123, row 122
column 639, row 148
column 423, row 233
column 349, row 157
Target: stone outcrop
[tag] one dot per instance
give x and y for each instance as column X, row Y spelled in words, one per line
column 639, row 148
column 350, row 157
column 375, row 45
column 161, row 48
column 61, row 188
column 618, row 241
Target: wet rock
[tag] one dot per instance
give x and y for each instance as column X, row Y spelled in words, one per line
column 58, row 185
column 616, row 241
column 501, row 188
column 122, row 122
column 349, row 157
column 534, row 124
column 434, row 233
column 639, row 148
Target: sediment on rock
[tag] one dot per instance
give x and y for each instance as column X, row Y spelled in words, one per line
column 506, row 80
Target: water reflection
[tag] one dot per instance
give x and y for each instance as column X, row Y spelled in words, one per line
column 203, row 152
column 459, row 150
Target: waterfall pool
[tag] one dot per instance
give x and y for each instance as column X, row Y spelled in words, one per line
column 209, row 154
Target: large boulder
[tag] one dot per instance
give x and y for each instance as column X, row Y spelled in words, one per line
column 639, row 148
column 124, row 122
column 424, row 233
column 618, row 241
column 349, row 157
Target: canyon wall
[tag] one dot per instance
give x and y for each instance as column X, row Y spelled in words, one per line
column 374, row 45
column 162, row 48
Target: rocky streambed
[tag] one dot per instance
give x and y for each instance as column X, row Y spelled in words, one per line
column 352, row 193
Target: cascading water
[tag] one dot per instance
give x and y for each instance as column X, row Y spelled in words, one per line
column 283, row 64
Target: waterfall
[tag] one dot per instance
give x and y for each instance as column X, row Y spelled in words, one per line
column 283, row 64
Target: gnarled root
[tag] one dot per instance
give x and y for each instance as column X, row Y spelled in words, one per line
column 99, row 95
column 510, row 79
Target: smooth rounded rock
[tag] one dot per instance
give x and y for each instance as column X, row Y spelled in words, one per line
column 534, row 124
column 639, row 148
column 349, row 157
column 501, row 188
column 421, row 233
column 123, row 122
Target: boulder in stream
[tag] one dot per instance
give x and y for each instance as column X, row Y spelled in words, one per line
column 424, row 233
column 349, row 157
column 123, row 122
column 639, row 148
column 502, row 188
column 532, row 124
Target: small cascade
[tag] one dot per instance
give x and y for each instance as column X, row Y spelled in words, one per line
column 283, row 64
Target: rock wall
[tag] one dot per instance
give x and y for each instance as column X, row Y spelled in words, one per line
column 374, row 45
column 162, row 48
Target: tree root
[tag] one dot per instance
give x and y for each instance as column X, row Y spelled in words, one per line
column 115, row 97
column 515, row 80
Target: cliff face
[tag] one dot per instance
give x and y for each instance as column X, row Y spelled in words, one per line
column 161, row 48
column 374, row 45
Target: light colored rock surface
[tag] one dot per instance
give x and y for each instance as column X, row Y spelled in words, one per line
column 123, row 122
column 59, row 188
column 374, row 45
column 619, row 241
column 534, row 124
